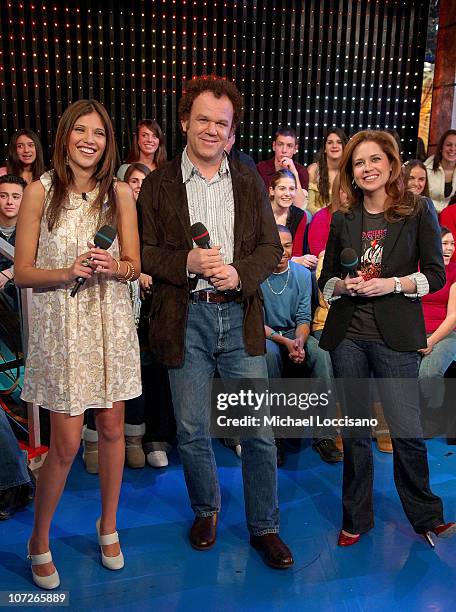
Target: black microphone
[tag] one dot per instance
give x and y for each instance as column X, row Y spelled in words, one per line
column 200, row 236
column 349, row 262
column 103, row 240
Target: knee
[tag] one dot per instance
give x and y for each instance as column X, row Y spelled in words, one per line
column 110, row 430
column 64, row 451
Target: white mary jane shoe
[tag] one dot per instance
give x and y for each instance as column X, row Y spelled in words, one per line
column 44, row 582
column 112, row 563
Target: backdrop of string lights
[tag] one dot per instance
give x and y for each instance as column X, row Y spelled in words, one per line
column 311, row 64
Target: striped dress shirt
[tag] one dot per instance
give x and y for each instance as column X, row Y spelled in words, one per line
column 212, row 204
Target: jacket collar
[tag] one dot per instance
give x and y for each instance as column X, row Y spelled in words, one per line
column 174, row 186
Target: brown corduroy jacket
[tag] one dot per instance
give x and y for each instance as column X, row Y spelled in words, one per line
column 166, row 240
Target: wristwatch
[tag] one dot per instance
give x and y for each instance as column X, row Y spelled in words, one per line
column 397, row 285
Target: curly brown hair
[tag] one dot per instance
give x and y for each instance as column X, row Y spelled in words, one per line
column 399, row 202
column 218, row 87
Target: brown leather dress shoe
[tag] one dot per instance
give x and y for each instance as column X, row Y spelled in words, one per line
column 276, row 553
column 203, row 532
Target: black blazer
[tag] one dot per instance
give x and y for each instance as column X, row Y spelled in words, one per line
column 410, row 243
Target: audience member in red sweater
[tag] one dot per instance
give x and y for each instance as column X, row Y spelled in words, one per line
column 319, row 226
column 439, row 311
column 447, row 218
column 282, row 192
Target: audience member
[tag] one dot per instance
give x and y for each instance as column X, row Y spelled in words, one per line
column 148, row 147
column 11, row 192
column 287, row 314
column 415, row 177
column 285, row 145
column 323, row 172
column 16, row 486
column 234, row 153
column 25, row 156
column 319, row 226
column 441, row 170
column 439, row 311
column 282, row 193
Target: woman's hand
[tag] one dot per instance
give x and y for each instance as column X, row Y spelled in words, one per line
column 308, row 261
column 348, row 285
column 375, row 287
column 428, row 349
column 78, row 269
column 102, row 262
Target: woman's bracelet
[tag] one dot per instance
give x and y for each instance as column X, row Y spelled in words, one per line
column 129, row 274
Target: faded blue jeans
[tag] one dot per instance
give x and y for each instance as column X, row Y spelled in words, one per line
column 432, row 369
column 214, row 340
column 13, row 462
column 317, row 364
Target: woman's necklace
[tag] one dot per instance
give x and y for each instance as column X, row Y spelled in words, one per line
column 285, row 285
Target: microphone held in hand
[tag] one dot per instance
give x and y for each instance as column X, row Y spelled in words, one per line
column 103, row 240
column 349, row 262
column 200, row 236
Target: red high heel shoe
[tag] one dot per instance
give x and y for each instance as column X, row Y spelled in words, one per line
column 441, row 531
column 346, row 540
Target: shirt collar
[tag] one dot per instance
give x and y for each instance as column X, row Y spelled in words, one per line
column 189, row 169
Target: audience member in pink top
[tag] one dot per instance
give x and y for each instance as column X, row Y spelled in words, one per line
column 321, row 221
column 439, row 311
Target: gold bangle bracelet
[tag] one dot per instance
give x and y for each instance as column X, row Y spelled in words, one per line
column 131, row 272
column 117, row 266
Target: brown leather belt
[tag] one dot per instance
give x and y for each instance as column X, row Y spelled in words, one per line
column 212, row 297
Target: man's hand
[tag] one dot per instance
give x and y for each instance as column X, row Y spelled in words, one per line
column 224, row 278
column 204, row 261
column 288, row 163
column 296, row 350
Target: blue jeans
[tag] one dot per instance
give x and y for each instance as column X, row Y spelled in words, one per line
column 358, row 359
column 214, row 340
column 432, row 369
column 13, row 463
column 317, row 364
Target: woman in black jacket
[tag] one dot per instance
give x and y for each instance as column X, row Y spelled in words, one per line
column 375, row 325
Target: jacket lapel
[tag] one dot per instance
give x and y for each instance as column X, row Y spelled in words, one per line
column 392, row 235
column 355, row 228
column 240, row 188
column 177, row 197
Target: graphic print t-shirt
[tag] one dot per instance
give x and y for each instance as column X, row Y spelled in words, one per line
column 363, row 325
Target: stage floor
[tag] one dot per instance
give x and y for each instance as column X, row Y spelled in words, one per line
column 390, row 567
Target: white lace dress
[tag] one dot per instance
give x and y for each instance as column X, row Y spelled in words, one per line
column 83, row 352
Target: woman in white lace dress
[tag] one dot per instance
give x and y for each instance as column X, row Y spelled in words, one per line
column 83, row 350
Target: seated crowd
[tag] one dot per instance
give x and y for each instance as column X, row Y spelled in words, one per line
column 303, row 201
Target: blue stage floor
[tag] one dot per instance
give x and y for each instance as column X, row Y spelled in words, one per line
column 391, row 568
